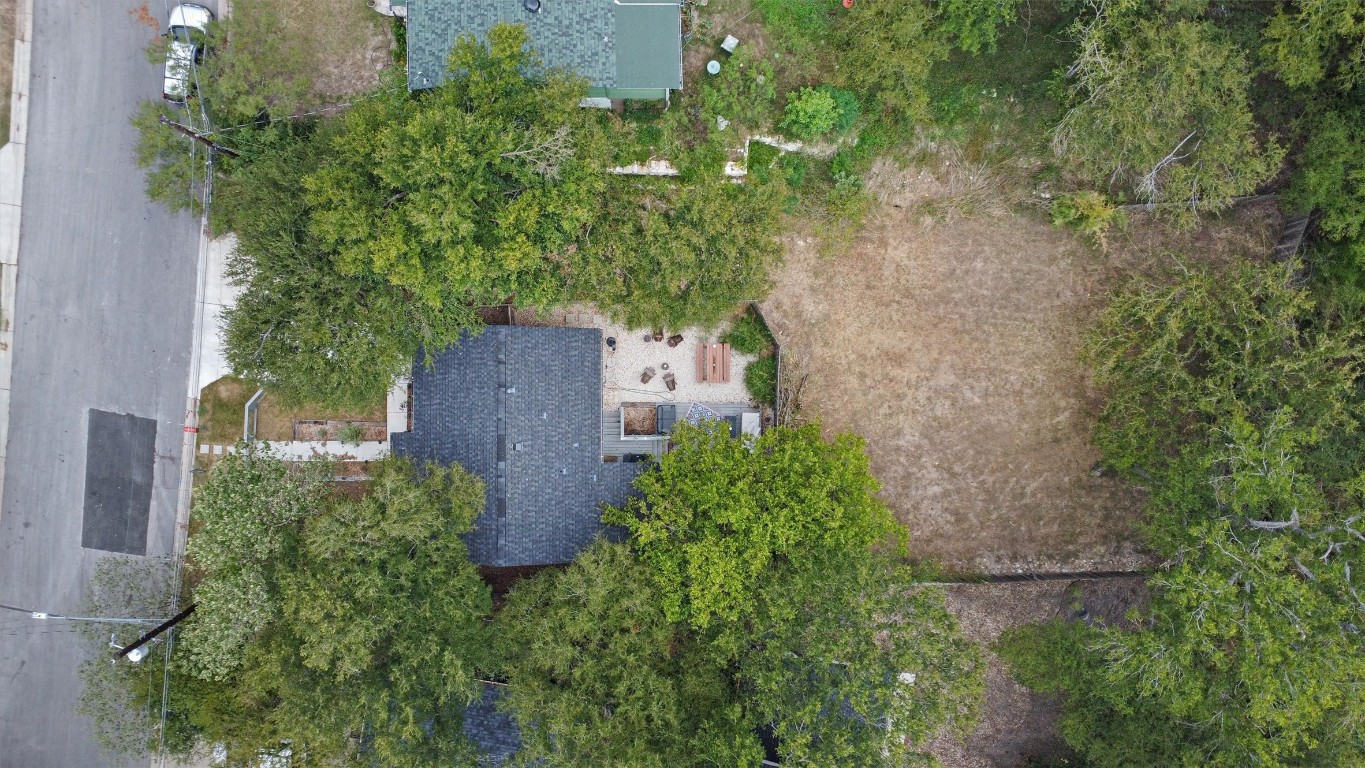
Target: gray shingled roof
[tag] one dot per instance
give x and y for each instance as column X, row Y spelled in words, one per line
column 615, row 45
column 522, row 408
column 495, row 733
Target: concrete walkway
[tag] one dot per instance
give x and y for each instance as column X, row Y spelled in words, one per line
column 307, row 450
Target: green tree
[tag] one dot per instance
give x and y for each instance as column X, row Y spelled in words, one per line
column 1318, row 40
column 247, row 517
column 1331, row 181
column 1237, row 406
column 303, row 327
column 597, row 675
column 252, row 69
column 676, row 255
column 810, row 113
column 718, row 513
column 362, row 620
column 885, row 53
column 474, row 192
column 173, row 163
column 855, row 665
column 1160, row 107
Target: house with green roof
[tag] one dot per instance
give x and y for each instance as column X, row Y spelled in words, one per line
column 627, row 49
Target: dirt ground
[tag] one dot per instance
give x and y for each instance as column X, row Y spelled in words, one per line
column 951, row 346
column 1016, row 725
column 7, row 33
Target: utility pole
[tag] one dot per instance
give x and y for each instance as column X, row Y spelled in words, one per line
column 199, row 137
column 165, row 625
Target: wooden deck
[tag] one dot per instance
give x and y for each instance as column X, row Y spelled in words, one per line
column 614, row 445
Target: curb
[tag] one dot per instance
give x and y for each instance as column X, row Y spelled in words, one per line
column 12, row 157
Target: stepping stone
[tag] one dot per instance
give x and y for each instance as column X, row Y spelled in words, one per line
column 204, row 448
column 217, row 450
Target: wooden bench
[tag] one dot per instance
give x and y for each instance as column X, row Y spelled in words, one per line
column 713, row 363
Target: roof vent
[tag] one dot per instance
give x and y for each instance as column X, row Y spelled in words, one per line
column 518, row 446
column 531, row 6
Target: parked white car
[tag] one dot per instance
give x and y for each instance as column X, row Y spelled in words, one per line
column 185, row 33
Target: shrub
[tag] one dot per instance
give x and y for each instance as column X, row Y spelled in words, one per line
column 742, row 93
column 760, row 160
column 1087, row 212
column 845, row 107
column 351, row 434
column 794, row 168
column 760, row 378
column 750, row 335
column 811, row 114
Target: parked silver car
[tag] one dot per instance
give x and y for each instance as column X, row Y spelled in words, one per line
column 185, row 32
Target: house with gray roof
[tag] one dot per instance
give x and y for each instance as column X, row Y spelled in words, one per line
column 521, row 407
column 627, row 49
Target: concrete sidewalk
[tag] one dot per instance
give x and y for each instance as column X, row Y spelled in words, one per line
column 12, row 156
column 219, row 295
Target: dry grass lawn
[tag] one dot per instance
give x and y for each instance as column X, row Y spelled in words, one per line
column 348, row 42
column 951, row 346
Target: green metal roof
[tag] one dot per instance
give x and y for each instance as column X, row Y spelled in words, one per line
column 614, row 44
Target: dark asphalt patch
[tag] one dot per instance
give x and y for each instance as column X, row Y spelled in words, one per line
column 119, row 454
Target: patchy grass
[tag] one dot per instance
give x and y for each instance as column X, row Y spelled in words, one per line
column 8, row 31
column 220, row 410
column 221, row 407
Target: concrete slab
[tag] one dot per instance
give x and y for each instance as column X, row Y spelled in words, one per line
column 12, row 177
column 398, row 405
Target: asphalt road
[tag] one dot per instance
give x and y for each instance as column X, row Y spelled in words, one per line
column 103, row 321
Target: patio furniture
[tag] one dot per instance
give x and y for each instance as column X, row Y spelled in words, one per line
column 647, row 375
column 675, row 339
column 713, row 363
column 670, row 381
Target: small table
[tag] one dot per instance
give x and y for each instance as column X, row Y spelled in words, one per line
column 713, row 363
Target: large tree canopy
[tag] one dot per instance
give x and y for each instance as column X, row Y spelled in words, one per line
column 359, row 623
column 852, row 664
column 1160, row 106
column 597, row 675
column 718, row 512
column 1239, row 409
column 1311, row 41
column 668, row 256
column 301, row 326
column 473, row 193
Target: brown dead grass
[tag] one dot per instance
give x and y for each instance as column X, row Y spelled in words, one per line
column 348, row 40
column 8, row 31
column 951, row 346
